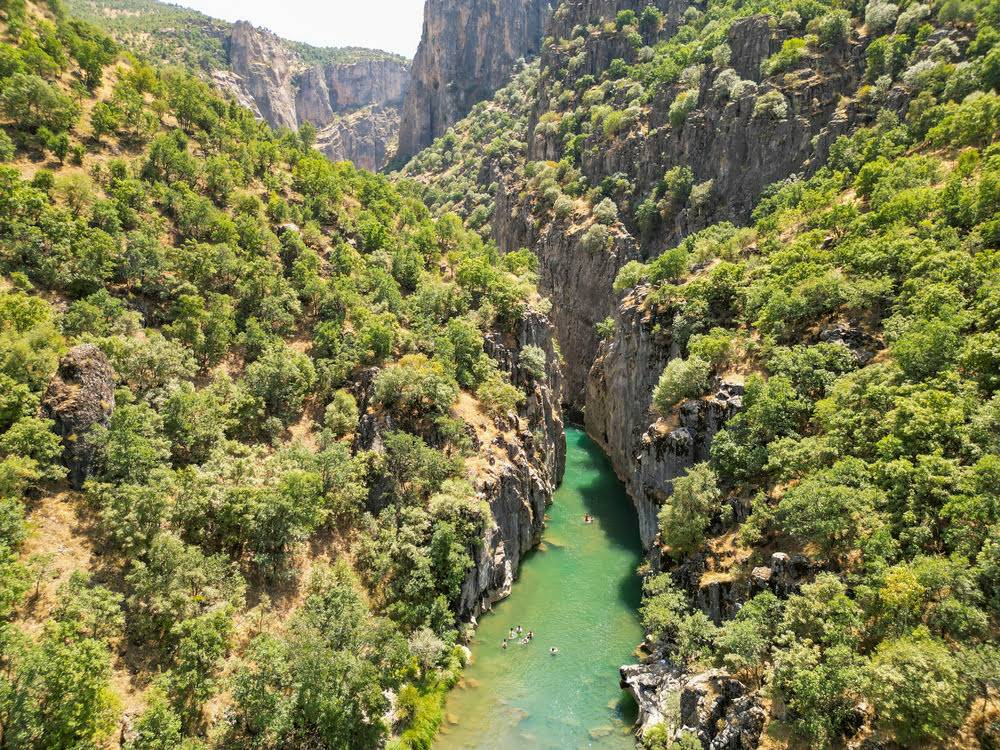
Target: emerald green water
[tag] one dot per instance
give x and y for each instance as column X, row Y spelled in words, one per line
column 577, row 592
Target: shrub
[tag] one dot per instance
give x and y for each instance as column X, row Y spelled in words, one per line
column 834, row 28
column 682, row 106
column 911, row 18
column 880, row 17
column 6, row 146
column 606, row 328
column 563, row 206
column 595, row 238
column 630, row 275
column 772, row 104
column 606, row 212
column 532, row 359
column 791, row 53
column 341, row 416
column 682, row 378
column 918, row 689
column 688, row 510
column 498, row 396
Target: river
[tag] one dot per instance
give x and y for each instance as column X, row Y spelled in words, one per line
column 579, row 593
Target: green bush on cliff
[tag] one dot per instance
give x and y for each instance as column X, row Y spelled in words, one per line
column 681, row 378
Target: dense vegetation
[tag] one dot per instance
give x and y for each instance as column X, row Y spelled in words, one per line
column 873, row 451
column 242, row 568
column 453, row 172
column 859, row 307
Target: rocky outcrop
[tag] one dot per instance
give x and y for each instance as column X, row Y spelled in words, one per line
column 80, row 396
column 647, row 453
column 523, row 464
column 518, row 461
column 325, row 91
column 355, row 105
column 721, row 712
column 365, row 137
column 733, row 147
column 654, row 686
column 468, row 50
column 264, row 68
column 716, row 708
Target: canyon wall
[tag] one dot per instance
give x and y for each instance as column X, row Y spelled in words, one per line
column 354, row 105
column 522, row 463
column 468, row 50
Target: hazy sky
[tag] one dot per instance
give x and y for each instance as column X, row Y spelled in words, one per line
column 392, row 25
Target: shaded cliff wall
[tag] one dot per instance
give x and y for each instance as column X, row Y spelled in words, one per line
column 723, row 140
column 468, row 50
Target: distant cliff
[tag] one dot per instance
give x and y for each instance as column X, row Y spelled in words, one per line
column 467, row 51
column 354, row 104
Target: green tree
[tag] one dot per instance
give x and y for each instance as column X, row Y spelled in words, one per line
column 688, row 511
column 33, row 103
column 918, row 689
column 682, row 378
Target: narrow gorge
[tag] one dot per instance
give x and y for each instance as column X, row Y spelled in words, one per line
column 613, row 373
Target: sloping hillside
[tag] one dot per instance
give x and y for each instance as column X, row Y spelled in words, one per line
column 270, row 434
column 351, row 95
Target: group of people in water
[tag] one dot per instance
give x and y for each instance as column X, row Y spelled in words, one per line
column 517, row 634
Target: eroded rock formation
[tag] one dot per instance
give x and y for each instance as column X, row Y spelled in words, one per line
column 468, row 50
column 80, row 396
column 524, row 463
column 355, row 104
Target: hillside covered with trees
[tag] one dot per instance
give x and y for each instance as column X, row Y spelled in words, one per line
column 242, row 392
column 274, row 430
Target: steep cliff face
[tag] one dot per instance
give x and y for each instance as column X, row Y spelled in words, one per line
column 578, row 279
column 467, row 51
column 365, row 137
column 732, row 147
column 519, row 468
column 355, row 104
column 646, row 452
column 264, row 68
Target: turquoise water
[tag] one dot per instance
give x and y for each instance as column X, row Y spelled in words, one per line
column 579, row 593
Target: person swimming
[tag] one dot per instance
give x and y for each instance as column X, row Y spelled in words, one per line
column 519, row 630
column 504, row 645
column 530, row 635
column 553, row 651
column 525, row 641
column 587, row 518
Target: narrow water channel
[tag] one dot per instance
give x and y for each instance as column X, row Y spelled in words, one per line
column 578, row 593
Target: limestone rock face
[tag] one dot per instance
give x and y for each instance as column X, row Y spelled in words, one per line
column 721, row 712
column 81, row 395
column 718, row 709
column 653, row 686
column 524, row 464
column 647, row 453
column 734, row 149
column 467, row 51
column 365, row 137
column 264, row 68
column 355, row 105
